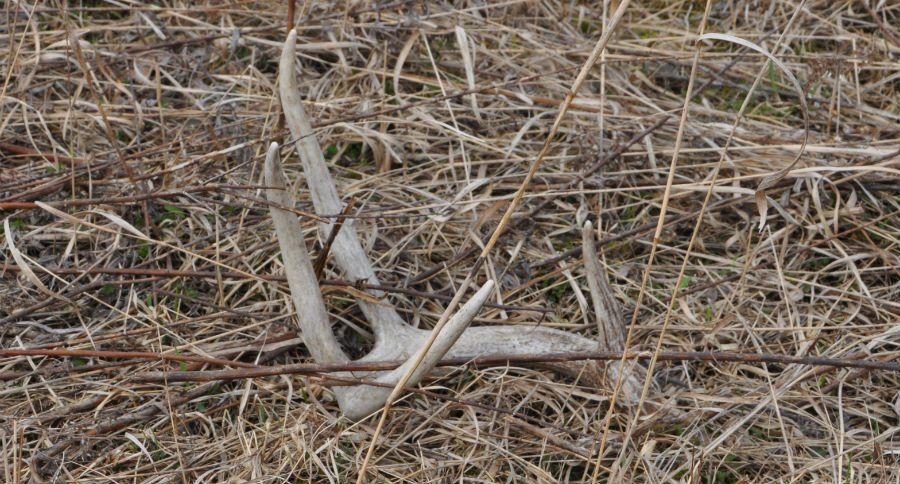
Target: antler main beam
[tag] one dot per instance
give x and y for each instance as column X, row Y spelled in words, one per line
column 394, row 339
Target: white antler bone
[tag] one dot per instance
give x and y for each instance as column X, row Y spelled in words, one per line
column 394, row 339
column 356, row 402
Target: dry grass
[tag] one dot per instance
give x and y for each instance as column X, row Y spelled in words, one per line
column 176, row 102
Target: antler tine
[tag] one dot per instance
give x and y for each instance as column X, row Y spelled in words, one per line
column 365, row 400
column 298, row 269
column 347, row 250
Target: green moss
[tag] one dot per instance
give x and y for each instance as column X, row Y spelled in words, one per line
column 143, row 250
column 555, row 291
column 186, row 291
column 646, row 33
column 108, row 290
column 170, row 212
column 242, row 52
column 174, row 211
column 587, row 26
column 565, row 244
column 437, row 45
column 773, row 75
column 358, row 153
column 725, row 476
column 231, row 209
column 758, row 433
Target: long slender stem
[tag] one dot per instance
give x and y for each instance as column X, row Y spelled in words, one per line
column 850, row 361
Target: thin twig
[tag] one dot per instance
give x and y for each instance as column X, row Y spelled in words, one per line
column 495, row 360
column 201, row 274
column 319, row 263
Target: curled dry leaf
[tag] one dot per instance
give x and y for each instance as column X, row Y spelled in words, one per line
column 770, row 181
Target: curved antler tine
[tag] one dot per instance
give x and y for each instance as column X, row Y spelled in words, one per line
column 347, row 250
column 299, row 271
column 324, row 194
column 361, row 401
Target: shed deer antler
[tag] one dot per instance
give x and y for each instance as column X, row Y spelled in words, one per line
column 394, row 339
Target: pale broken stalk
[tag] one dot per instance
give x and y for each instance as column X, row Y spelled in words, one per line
column 394, row 339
